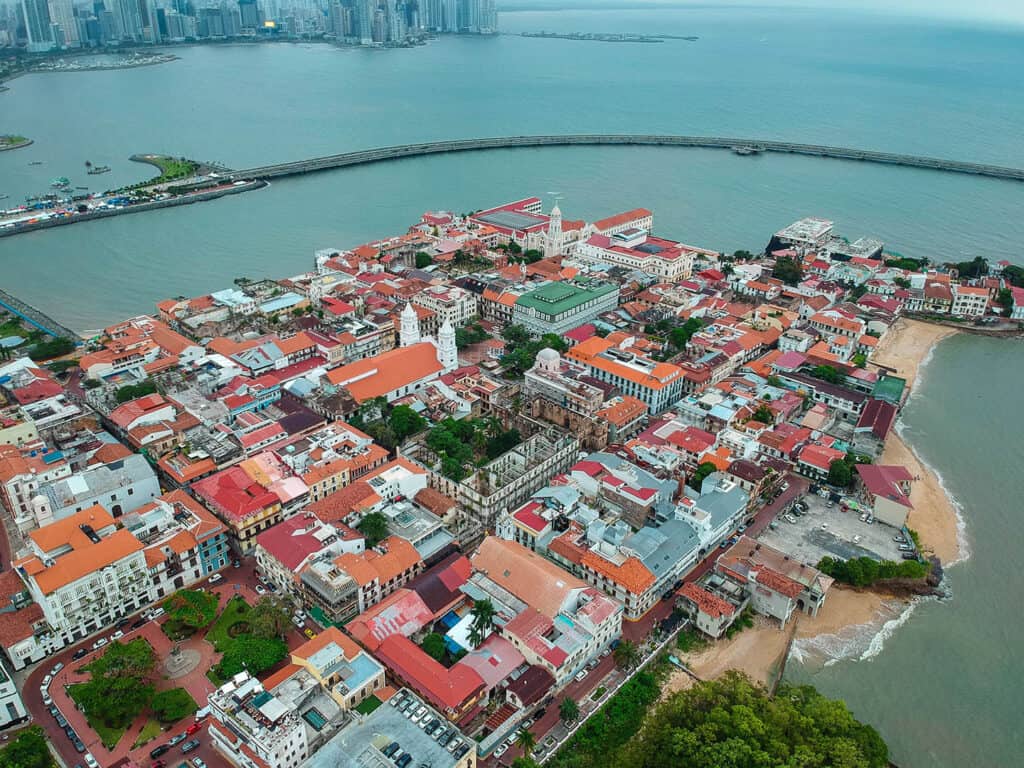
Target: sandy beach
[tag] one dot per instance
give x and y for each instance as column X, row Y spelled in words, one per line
column 907, row 344
column 758, row 651
column 934, row 516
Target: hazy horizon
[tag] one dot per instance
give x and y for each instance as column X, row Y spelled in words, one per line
column 986, row 11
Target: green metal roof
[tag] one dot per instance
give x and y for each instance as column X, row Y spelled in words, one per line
column 556, row 298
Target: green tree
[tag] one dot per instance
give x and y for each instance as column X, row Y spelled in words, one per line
column 516, row 335
column 764, row 414
column 526, row 741
column 860, row 360
column 173, row 705
column 680, row 337
column 120, row 686
column 191, row 609
column 1005, row 300
column 568, row 710
column 827, row 373
column 734, row 723
column 44, row 350
column 405, row 422
column 135, row 391
column 977, row 267
column 840, row 474
column 901, row 282
column 525, row 762
column 27, row 750
column 374, row 527
column 703, row 470
column 1014, row 274
column 483, row 622
column 251, row 654
column 626, row 654
column 788, row 270
column 269, row 618
column 911, row 265
column 423, row 259
column 434, row 645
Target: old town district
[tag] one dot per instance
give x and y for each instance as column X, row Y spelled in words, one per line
column 484, row 470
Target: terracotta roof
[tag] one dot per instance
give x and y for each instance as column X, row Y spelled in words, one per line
column 435, row 501
column 387, row 372
column 447, row 689
column 708, row 603
column 83, row 561
column 323, row 639
column 339, row 505
column 533, row 579
column 632, row 575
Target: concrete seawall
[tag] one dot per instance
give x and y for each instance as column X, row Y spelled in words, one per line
column 706, row 142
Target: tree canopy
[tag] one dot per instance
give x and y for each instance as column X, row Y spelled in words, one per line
column 173, row 705
column 732, row 723
column 434, row 645
column 120, row 687
column 423, row 259
column 269, row 618
column 27, row 750
column 568, row 710
column 788, row 270
column 251, row 654
column 134, row 391
column 483, row 622
column 374, row 527
column 697, row 478
column 521, row 350
column 865, row 571
column 191, row 609
column 827, row 373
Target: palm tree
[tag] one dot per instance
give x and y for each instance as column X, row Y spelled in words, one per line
column 526, row 741
column 626, row 654
column 483, row 622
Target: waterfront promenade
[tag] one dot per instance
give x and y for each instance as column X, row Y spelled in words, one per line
column 34, row 317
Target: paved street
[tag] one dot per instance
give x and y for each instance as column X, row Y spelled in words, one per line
column 236, row 581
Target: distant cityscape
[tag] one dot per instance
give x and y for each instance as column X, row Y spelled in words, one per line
column 41, row 26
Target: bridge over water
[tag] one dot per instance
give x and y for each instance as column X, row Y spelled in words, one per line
column 745, row 146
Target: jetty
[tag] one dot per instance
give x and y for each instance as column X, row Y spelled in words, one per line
column 37, row 319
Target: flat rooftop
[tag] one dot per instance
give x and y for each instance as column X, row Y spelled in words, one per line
column 512, row 219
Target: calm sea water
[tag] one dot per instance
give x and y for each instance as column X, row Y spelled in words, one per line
column 940, row 690
column 945, row 688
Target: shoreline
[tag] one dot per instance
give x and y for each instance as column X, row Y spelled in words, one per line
column 854, row 623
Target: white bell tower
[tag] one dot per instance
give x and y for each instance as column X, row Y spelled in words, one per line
column 554, row 238
column 409, row 333
column 447, row 352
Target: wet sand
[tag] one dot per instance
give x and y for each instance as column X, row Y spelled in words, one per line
column 906, row 346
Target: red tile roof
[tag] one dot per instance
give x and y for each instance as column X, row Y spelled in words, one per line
column 447, row 689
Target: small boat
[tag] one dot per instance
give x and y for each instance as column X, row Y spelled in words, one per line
column 98, row 169
column 81, row 187
column 3, row 196
column 36, row 162
column 60, row 181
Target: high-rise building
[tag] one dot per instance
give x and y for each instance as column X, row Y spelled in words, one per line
column 37, row 25
column 129, row 19
column 250, row 13
column 62, row 12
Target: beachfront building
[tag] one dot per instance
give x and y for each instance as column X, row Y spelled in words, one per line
column 886, row 491
column 636, row 248
column 561, row 306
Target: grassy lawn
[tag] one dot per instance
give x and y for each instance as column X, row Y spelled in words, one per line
column 109, row 736
column 149, row 732
column 366, row 706
column 7, row 140
column 172, row 168
column 234, row 613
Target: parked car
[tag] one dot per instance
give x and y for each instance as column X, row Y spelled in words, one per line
column 121, row 624
column 57, row 668
column 177, row 739
column 99, row 643
column 215, row 578
column 78, row 745
column 789, row 518
column 236, row 564
column 79, row 654
column 117, row 635
column 856, row 539
column 906, row 548
column 198, row 762
column 162, row 749
column 298, row 622
column 60, row 720
column 157, row 613
column 824, row 526
column 309, row 633
column 581, row 675
column 138, row 624
column 909, row 555
column 897, row 538
column 188, row 746
column 741, row 529
column 91, row 761
column 260, row 590
column 47, row 701
column 194, row 728
column 47, row 680
column 158, row 764
column 501, row 750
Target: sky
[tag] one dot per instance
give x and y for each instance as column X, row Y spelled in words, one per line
column 997, row 11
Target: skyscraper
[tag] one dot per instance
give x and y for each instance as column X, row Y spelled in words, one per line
column 37, row 25
column 250, row 12
column 129, row 19
column 63, row 12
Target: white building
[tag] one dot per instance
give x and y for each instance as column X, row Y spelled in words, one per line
column 450, row 303
column 85, row 573
column 252, row 728
column 969, row 301
column 635, row 248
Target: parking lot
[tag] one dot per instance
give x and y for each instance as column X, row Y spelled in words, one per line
column 825, row 531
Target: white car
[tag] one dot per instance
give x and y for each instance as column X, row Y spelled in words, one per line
column 117, row 635
column 47, row 701
column 47, row 680
column 260, row 590
column 501, row 750
column 824, row 526
column 581, row 674
column 213, row 580
column 91, row 761
column 856, row 539
column 57, row 668
column 99, row 643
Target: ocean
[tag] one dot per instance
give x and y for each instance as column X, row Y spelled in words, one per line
column 942, row 687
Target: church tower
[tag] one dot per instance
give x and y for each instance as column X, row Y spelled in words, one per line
column 447, row 352
column 409, row 332
column 553, row 242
